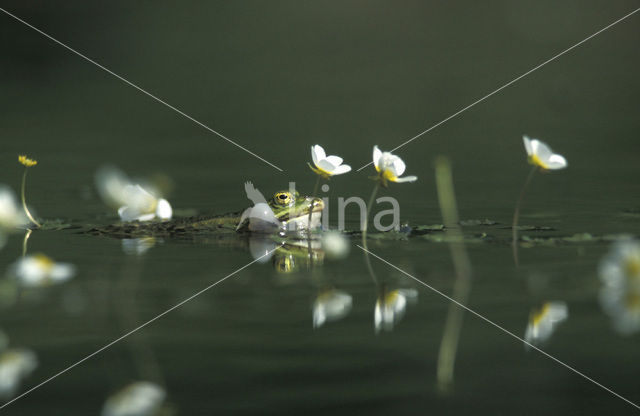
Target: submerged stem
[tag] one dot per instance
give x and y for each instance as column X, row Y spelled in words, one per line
column 24, row 242
column 364, row 232
column 24, row 200
column 516, row 215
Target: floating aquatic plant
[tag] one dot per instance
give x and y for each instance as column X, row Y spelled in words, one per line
column 325, row 167
column 141, row 398
column 40, row 270
column 24, row 160
column 389, row 168
column 620, row 293
column 134, row 201
column 542, row 158
column 390, row 307
column 331, row 305
column 11, row 216
column 544, row 320
column 16, row 364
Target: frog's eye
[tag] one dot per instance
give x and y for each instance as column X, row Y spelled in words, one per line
column 283, row 198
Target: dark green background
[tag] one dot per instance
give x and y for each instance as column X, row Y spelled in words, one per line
column 278, row 77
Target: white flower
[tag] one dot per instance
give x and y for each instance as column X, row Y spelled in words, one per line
column 39, row 270
column 11, row 214
column 141, row 398
column 15, row 366
column 541, row 155
column 330, row 305
column 390, row 308
column 620, row 293
column 543, row 321
column 335, row 245
column 390, row 167
column 133, row 201
column 327, row 166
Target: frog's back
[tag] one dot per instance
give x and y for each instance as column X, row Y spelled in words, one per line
column 180, row 226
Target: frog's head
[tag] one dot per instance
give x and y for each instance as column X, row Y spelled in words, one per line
column 293, row 210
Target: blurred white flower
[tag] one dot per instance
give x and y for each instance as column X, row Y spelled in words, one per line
column 390, row 167
column 390, row 308
column 141, row 398
column 138, row 246
column 134, row 201
column 543, row 321
column 335, row 245
column 539, row 154
column 11, row 215
column 330, row 305
column 39, row 270
column 620, row 293
column 327, row 166
column 15, row 366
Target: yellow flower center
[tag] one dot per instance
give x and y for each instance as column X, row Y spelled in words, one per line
column 535, row 160
column 540, row 314
column 23, row 159
column 43, row 261
column 632, row 267
column 325, row 174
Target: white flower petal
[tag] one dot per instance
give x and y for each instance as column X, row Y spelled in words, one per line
column 377, row 154
column 163, row 210
column 541, row 150
column 556, row 162
column 317, row 154
column 406, row 179
column 62, row 271
column 326, row 165
column 334, row 160
column 341, row 169
column 527, row 145
column 398, row 165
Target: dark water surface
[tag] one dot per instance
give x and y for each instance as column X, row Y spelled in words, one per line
column 278, row 77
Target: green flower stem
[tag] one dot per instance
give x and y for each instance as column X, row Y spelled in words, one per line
column 516, row 215
column 24, row 201
column 313, row 197
column 364, row 232
column 24, row 242
column 462, row 282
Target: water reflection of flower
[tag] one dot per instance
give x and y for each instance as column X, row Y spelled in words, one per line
column 15, row 365
column 331, row 305
column 390, row 307
column 543, row 321
column 620, row 293
column 141, row 398
column 138, row 246
column 40, row 270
